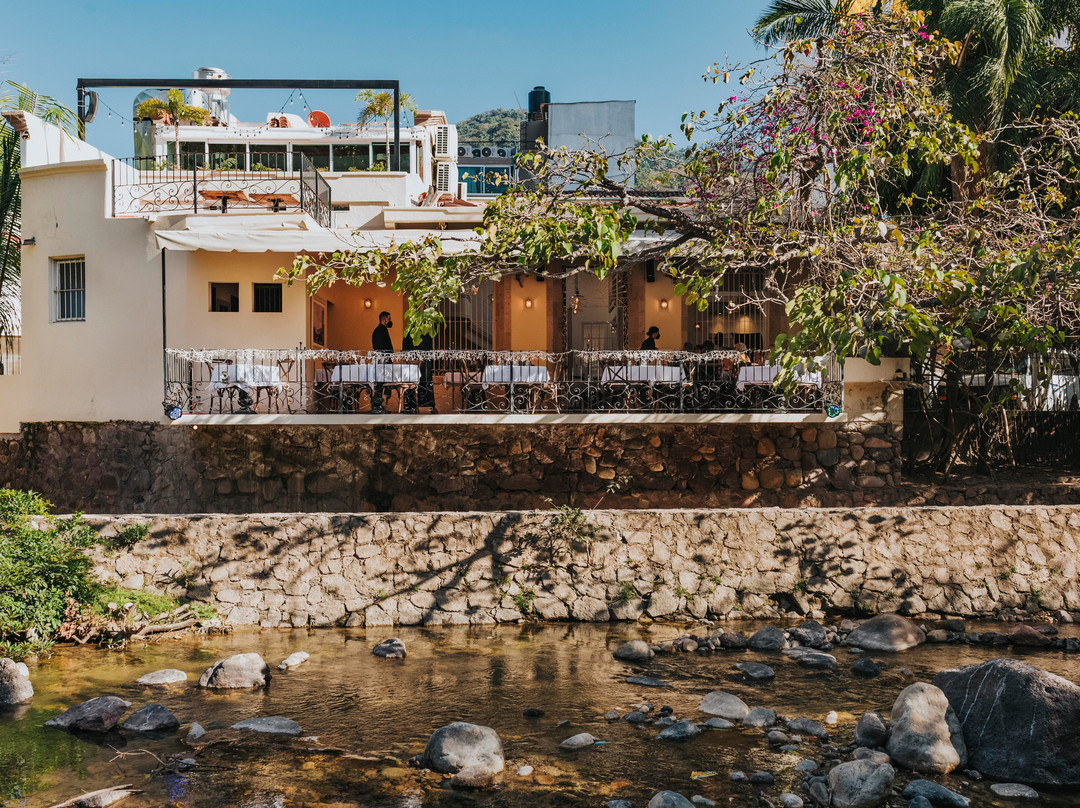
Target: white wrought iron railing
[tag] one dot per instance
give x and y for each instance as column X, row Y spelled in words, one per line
column 327, row 381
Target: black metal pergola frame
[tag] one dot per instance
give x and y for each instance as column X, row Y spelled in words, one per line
column 83, row 86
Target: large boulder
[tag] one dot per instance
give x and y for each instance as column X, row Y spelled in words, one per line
column 724, row 705
column 925, row 733
column 15, row 688
column 769, row 638
column 392, row 648
column 860, row 784
column 96, row 715
column 1019, row 722
column 634, row 651
column 459, row 746
column 886, row 632
column 242, row 670
column 151, row 718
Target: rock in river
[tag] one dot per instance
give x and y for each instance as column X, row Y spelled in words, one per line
column 807, row 726
column 870, row 730
column 151, row 718
column 392, row 648
column 864, row 666
column 293, row 660
column 760, row 717
column 239, row 671
column 925, row 732
column 579, row 741
column 886, row 632
column 860, row 784
column 634, row 651
column 1015, row 791
column 935, row 794
column 270, row 725
column 460, row 745
column 769, row 638
column 1019, row 722
column 168, row 676
column 646, row 681
column 669, row 799
column 724, row 705
column 756, row 670
column 96, row 715
column 15, row 688
column 810, row 633
column 680, row 731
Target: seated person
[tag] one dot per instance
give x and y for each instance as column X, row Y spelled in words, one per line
column 651, row 336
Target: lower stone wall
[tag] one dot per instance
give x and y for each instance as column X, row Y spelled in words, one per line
column 380, row 569
column 126, row 467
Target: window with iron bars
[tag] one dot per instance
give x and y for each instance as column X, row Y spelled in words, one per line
column 731, row 317
column 69, row 290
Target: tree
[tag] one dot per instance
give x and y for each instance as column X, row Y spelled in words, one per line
column 795, row 175
column 380, row 106
column 175, row 111
column 492, row 126
column 18, row 97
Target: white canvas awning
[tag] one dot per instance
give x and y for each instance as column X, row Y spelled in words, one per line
column 286, row 233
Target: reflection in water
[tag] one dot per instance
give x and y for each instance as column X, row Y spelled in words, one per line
column 378, row 713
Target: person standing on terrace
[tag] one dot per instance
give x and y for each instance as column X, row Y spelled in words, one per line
column 381, row 343
column 651, row 336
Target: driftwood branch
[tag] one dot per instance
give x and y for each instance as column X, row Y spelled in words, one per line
column 100, row 798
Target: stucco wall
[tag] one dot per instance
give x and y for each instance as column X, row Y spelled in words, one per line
column 136, row 466
column 434, row 568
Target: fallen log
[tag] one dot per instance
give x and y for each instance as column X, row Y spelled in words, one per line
column 100, row 798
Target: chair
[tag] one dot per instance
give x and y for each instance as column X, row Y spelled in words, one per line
column 226, row 386
column 550, row 387
column 473, row 394
column 273, row 392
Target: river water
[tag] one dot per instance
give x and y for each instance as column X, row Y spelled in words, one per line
column 378, row 713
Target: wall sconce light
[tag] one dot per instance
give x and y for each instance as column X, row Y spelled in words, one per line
column 29, row 242
column 528, row 302
column 664, row 304
column 368, row 302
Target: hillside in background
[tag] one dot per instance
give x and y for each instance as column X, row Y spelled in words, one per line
column 494, row 125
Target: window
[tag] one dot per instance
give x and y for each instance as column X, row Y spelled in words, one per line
column 224, row 297
column 352, row 156
column 268, row 158
column 69, row 290
column 267, row 297
column 318, row 155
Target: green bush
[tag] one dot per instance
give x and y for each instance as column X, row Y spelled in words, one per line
column 15, row 504
column 40, row 568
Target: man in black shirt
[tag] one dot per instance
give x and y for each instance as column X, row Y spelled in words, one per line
column 381, row 343
column 651, row 336
column 426, row 388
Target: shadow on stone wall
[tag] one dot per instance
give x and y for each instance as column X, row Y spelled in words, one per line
column 471, row 568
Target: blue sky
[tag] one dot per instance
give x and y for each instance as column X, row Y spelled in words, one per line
column 462, row 57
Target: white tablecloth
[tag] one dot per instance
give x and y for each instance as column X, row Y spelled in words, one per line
column 518, row 374
column 376, row 373
column 765, row 374
column 647, row 374
column 246, row 375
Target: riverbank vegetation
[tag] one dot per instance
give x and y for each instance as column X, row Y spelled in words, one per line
column 48, row 592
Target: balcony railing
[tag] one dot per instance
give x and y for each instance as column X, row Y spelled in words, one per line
column 322, row 381
column 10, row 355
column 237, row 181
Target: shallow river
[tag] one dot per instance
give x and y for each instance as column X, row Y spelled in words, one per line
column 381, row 712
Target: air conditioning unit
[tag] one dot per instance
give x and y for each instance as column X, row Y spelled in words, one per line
column 445, row 142
column 503, row 152
column 476, row 152
column 446, row 177
column 462, row 151
column 485, row 152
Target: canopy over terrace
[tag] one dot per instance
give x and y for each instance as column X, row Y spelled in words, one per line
column 255, row 233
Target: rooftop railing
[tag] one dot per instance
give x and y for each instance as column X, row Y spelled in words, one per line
column 348, row 382
column 224, row 181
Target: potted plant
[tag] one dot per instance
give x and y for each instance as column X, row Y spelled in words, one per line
column 173, row 111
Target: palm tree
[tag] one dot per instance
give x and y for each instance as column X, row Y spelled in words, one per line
column 175, row 111
column 380, row 106
column 18, row 97
column 997, row 36
column 787, row 20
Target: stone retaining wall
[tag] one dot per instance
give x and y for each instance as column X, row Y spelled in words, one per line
column 379, row 569
column 130, row 467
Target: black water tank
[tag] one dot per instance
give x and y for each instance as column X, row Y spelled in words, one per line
column 537, row 97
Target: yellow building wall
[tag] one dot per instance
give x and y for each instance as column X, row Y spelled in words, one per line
column 528, row 324
column 191, row 324
column 108, row 366
column 669, row 320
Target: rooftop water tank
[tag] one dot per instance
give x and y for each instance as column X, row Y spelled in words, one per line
column 538, row 97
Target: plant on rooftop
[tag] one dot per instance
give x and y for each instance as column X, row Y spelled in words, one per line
column 806, row 171
column 175, row 110
column 379, row 105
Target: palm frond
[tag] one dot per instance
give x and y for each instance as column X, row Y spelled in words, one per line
column 786, row 20
column 19, row 96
